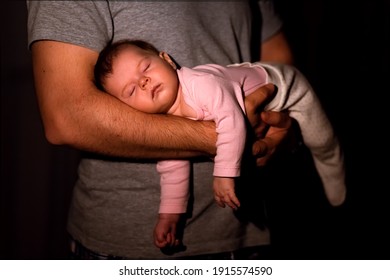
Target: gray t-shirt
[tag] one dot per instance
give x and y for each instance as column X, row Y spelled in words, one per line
column 115, row 202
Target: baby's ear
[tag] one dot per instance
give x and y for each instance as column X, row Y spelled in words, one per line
column 168, row 59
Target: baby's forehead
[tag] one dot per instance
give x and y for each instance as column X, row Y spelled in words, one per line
column 137, row 50
column 129, row 56
column 130, row 53
column 125, row 49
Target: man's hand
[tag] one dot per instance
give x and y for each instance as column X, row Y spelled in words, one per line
column 270, row 128
column 255, row 103
column 279, row 124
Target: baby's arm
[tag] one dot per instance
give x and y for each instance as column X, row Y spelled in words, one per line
column 225, row 106
column 227, row 163
column 174, row 181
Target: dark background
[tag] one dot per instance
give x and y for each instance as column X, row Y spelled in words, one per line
column 343, row 49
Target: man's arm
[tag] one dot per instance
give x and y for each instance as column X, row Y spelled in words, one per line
column 271, row 128
column 76, row 113
column 277, row 49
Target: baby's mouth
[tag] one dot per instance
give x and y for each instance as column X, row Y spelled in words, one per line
column 155, row 90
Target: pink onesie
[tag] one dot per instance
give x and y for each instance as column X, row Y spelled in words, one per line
column 217, row 93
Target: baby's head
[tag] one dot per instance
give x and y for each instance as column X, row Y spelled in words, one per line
column 104, row 63
column 136, row 73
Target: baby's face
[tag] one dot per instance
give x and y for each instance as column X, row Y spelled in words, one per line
column 143, row 80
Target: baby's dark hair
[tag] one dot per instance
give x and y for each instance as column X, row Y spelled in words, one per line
column 103, row 66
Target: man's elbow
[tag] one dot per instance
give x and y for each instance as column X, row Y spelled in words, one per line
column 57, row 132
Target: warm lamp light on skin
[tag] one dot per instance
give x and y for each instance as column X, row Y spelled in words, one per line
column 145, row 81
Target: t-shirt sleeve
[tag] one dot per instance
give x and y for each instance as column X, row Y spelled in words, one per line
column 84, row 23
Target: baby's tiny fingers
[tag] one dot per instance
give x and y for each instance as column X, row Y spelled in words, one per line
column 219, row 202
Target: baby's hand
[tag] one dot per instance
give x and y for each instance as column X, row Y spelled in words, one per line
column 165, row 230
column 224, row 192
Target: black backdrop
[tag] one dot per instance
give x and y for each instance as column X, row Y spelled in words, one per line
column 343, row 50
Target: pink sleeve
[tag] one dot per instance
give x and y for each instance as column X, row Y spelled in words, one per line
column 224, row 101
column 174, row 182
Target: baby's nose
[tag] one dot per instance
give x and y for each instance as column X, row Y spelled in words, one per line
column 144, row 82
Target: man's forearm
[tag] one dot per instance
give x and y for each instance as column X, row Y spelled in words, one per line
column 77, row 114
column 112, row 128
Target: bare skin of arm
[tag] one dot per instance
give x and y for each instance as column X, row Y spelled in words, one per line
column 276, row 49
column 76, row 113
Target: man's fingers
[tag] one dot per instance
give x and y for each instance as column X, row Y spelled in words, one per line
column 261, row 129
column 259, row 148
column 256, row 101
column 276, row 119
column 263, row 149
column 261, row 96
